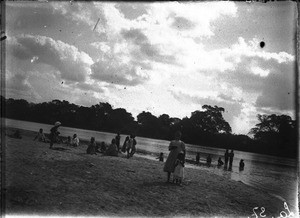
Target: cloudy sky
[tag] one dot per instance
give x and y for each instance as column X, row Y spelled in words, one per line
column 159, row 57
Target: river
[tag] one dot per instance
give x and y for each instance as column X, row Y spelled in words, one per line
column 276, row 175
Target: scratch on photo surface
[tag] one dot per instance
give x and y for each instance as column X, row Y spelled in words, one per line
column 96, row 24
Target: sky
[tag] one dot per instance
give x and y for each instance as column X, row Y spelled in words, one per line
column 162, row 57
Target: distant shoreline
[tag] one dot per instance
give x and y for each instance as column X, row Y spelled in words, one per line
column 273, row 155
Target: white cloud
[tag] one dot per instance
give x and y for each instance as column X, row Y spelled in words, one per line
column 102, row 46
column 72, row 64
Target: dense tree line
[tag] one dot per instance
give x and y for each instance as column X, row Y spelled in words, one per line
column 274, row 134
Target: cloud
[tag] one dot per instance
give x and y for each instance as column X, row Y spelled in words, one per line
column 145, row 49
column 278, row 91
column 72, row 64
column 232, row 107
column 115, row 72
column 182, row 23
column 90, row 87
column 86, row 13
column 133, row 10
column 18, row 82
column 18, row 85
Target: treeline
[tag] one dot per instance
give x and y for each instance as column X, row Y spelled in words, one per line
column 274, row 134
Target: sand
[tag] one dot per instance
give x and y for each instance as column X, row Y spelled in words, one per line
column 41, row 181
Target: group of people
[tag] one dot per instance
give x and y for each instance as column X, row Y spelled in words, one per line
column 228, row 159
column 176, row 160
column 129, row 146
column 174, row 164
column 113, row 149
column 54, row 137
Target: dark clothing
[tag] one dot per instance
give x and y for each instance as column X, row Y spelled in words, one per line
column 53, row 135
column 242, row 165
column 125, row 145
column 208, row 160
column 91, row 148
column 118, row 141
column 197, row 158
column 231, row 155
column 220, row 162
column 226, row 156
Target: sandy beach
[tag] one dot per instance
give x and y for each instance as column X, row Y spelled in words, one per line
column 67, row 181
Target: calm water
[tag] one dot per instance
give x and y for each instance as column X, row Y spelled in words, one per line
column 276, row 175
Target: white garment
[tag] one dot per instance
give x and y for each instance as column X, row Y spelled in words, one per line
column 75, row 141
column 179, row 172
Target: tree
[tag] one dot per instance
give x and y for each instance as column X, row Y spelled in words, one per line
column 149, row 124
column 276, row 132
column 281, row 124
column 211, row 120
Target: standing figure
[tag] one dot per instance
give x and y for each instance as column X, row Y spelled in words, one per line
column 197, row 157
column 118, row 138
column 176, row 146
column 179, row 169
column 124, row 147
column 242, row 165
column 231, row 155
column 133, row 148
column 208, row 160
column 54, row 133
column 226, row 156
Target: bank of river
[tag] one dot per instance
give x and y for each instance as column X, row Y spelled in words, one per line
column 276, row 175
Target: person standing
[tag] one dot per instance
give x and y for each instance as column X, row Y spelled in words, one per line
column 226, row 156
column 208, row 160
column 133, row 148
column 118, row 138
column 231, row 155
column 54, row 133
column 198, row 158
column 176, row 146
column 124, row 147
column 242, row 165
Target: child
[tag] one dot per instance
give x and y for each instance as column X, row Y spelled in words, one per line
column 75, row 141
column 179, row 169
column 220, row 162
column 161, row 157
column 242, row 165
column 92, row 147
column 40, row 136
